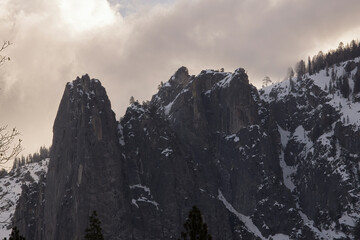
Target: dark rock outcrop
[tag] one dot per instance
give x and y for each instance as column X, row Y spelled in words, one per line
column 183, row 148
column 29, row 213
column 85, row 172
column 280, row 165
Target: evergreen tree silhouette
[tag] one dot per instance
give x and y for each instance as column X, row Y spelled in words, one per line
column 94, row 231
column 195, row 228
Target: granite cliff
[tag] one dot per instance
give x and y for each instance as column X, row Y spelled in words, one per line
column 279, row 163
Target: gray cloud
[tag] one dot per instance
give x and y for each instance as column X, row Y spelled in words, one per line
column 132, row 54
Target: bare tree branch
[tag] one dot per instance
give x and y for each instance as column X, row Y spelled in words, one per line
column 10, row 144
column 9, row 147
column 4, row 58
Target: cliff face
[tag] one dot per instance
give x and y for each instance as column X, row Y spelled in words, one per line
column 281, row 164
column 85, row 171
column 198, row 142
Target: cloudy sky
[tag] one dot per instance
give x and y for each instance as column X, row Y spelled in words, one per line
column 133, row 45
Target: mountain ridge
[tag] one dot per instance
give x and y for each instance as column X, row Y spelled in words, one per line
column 279, row 163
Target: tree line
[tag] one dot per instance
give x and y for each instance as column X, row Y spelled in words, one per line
column 42, row 154
column 194, row 228
column 323, row 61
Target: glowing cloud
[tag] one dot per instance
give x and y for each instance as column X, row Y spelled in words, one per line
column 83, row 15
column 57, row 40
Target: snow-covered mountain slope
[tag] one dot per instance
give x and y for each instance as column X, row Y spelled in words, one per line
column 11, row 188
column 278, row 163
column 318, row 118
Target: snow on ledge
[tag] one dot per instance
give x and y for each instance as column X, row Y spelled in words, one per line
column 248, row 222
column 245, row 219
column 145, row 188
column 142, row 198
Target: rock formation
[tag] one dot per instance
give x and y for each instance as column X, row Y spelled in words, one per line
column 281, row 164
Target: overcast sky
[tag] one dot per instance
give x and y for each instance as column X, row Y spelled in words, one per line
column 131, row 46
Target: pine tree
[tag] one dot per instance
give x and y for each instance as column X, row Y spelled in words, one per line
column 300, row 69
column 15, row 235
column 344, row 86
column 333, row 75
column 94, row 231
column 292, row 85
column 132, row 100
column 195, row 228
column 309, row 66
column 266, row 81
column 290, row 73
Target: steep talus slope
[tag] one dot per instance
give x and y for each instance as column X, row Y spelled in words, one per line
column 282, row 164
